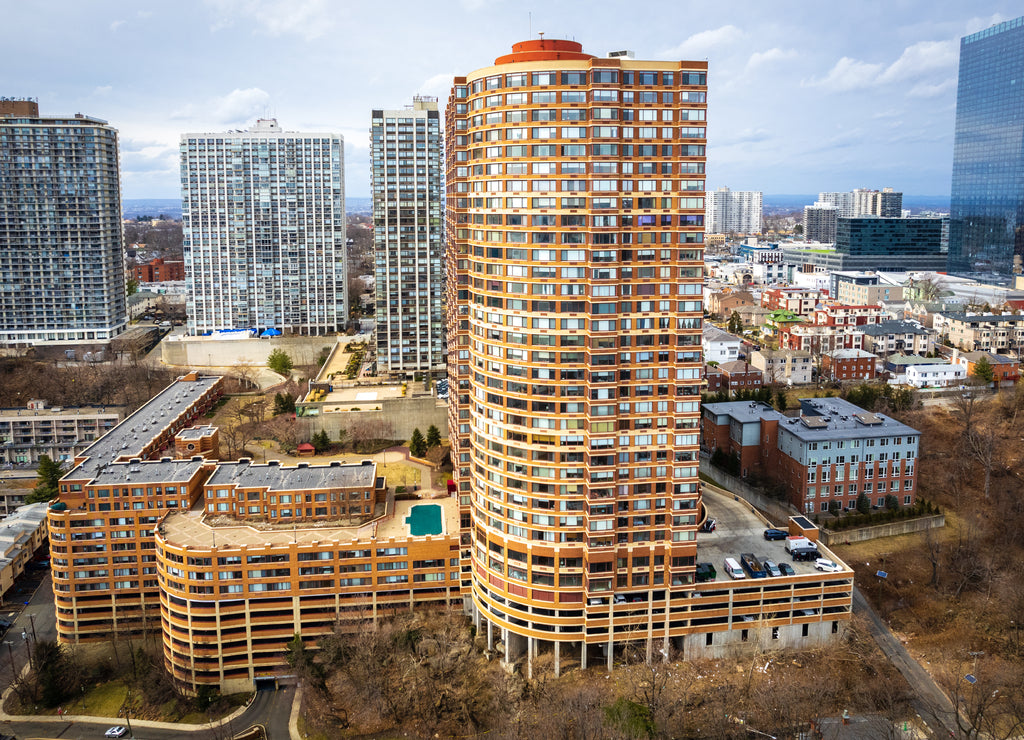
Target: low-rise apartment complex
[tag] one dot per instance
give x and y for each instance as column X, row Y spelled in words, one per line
column 989, row 332
column 832, row 452
column 60, row 433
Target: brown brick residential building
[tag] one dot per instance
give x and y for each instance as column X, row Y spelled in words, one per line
column 159, row 271
column 832, row 451
column 734, row 376
column 848, row 364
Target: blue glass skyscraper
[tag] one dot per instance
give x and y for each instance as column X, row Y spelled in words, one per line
column 987, row 206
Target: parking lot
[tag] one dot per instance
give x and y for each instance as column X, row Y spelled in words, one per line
column 740, row 529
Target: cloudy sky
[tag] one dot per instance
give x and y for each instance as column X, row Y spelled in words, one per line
column 803, row 96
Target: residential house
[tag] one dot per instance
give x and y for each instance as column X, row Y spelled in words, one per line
column 792, row 367
column 720, row 346
column 848, row 364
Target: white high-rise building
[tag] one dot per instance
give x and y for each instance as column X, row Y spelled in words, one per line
column 62, row 276
column 733, row 211
column 263, row 212
column 886, row 203
column 406, row 152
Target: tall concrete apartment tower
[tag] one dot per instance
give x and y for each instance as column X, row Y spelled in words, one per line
column 575, row 227
column 406, row 149
column 734, row 211
column 986, row 214
column 61, row 242
column 263, row 213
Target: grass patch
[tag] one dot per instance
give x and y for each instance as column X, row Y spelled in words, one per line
column 106, row 699
column 400, row 474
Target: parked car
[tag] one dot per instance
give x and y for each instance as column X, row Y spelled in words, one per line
column 787, row 569
column 116, row 731
column 771, row 568
column 805, row 554
column 775, row 534
column 827, row 566
column 709, row 525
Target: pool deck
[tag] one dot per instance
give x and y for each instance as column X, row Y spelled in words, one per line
column 190, row 530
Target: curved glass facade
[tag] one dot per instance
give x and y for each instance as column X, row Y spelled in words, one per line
column 987, row 206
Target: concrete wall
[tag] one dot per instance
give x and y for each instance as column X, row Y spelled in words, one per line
column 398, row 416
column 730, row 643
column 198, row 352
column 889, row 529
column 778, row 511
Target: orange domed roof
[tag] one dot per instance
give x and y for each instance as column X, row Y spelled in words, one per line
column 537, row 50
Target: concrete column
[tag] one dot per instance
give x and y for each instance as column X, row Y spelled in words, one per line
column 476, row 618
column 583, row 656
column 515, row 646
column 558, row 667
column 530, row 645
column 490, row 634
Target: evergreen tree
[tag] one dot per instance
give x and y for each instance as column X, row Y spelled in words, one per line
column 433, row 436
column 863, row 504
column 417, row 445
column 279, row 361
column 983, row 370
column 284, row 403
column 781, row 399
column 320, row 441
column 47, row 487
column 735, row 323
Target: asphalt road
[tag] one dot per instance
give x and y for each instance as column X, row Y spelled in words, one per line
column 39, row 609
column 929, row 701
column 270, row 709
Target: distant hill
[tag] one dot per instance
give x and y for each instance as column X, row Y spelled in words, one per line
column 789, row 203
column 154, row 207
column 172, row 207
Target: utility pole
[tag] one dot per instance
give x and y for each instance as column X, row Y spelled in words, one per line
column 32, row 621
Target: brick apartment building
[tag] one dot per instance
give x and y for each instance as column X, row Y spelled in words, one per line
column 800, row 301
column 734, row 376
column 832, row 451
column 159, row 271
column 848, row 364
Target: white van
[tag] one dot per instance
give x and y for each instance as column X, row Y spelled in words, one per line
column 733, row 569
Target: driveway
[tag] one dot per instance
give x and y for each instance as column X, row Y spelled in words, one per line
column 930, row 702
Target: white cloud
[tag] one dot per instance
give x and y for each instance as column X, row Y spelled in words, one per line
column 309, row 19
column 116, row 25
column 439, row 86
column 699, row 44
column 238, row 107
column 103, row 90
column 760, row 58
column 922, row 58
column 848, row 74
column 928, row 90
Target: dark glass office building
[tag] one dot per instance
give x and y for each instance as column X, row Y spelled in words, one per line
column 987, row 205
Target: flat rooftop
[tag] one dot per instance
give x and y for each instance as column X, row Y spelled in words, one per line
column 740, row 530
column 300, row 477
column 130, row 437
column 196, row 433
column 191, row 528
column 820, row 419
column 147, row 472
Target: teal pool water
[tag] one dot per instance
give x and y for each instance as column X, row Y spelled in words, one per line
column 425, row 519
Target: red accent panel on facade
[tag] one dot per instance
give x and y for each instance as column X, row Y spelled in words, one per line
column 537, row 50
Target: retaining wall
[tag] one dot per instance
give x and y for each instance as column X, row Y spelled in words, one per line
column 889, row 529
column 776, row 510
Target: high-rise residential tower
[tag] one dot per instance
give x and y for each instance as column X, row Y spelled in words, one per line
column 820, row 223
column 406, row 150
column 575, row 227
column 986, row 226
column 61, row 242
column 734, row 211
column 263, row 212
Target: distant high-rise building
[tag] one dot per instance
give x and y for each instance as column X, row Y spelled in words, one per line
column 733, row 211
column 263, row 212
column 62, row 272
column 987, row 204
column 886, row 203
column 820, row 222
column 406, row 151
